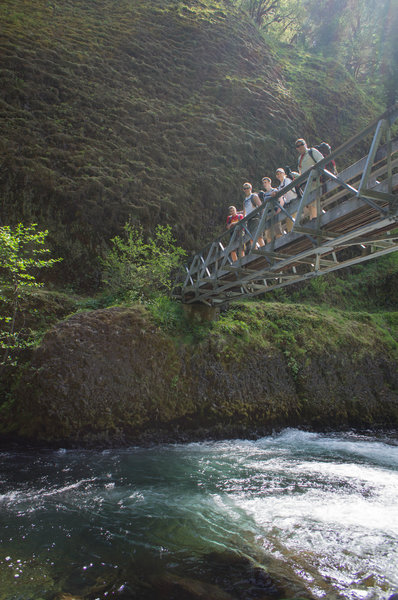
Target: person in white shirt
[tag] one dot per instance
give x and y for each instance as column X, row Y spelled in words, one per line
column 250, row 202
column 284, row 181
column 275, row 229
column 307, row 160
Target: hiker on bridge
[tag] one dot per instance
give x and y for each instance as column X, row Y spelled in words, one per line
column 274, row 230
column 284, row 181
column 250, row 202
column 234, row 217
column 308, row 158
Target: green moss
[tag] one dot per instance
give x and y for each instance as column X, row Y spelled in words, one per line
column 111, row 375
column 134, row 110
column 301, row 331
column 371, row 286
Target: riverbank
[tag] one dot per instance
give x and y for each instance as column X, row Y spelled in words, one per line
column 116, row 376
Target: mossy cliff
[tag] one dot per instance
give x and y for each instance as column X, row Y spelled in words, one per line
column 150, row 111
column 111, row 376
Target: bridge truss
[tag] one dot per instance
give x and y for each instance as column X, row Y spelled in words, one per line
column 357, row 210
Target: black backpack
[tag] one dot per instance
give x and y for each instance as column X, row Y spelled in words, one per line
column 293, row 175
column 325, row 149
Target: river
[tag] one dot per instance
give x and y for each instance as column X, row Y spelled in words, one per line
column 293, row 515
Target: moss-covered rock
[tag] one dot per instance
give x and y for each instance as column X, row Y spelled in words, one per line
column 131, row 110
column 99, row 375
column 111, row 376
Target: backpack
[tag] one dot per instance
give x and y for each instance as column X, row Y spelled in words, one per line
column 325, row 149
column 293, row 175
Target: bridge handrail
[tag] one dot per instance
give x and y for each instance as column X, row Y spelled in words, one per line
column 389, row 115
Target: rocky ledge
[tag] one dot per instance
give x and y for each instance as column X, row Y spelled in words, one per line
column 112, row 377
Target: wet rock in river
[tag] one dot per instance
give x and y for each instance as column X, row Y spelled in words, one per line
column 239, row 574
column 173, row 587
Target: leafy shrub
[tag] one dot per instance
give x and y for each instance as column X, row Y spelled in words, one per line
column 22, row 255
column 168, row 314
column 136, row 269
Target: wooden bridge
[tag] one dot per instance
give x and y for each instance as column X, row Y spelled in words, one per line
column 357, row 210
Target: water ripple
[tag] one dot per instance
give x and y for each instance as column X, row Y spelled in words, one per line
column 319, row 511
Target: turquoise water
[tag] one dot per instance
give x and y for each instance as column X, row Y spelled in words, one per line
column 294, row 515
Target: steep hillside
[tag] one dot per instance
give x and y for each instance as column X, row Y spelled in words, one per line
column 150, row 111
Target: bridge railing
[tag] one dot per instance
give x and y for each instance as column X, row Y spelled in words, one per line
column 321, row 187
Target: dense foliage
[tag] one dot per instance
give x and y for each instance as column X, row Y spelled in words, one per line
column 22, row 255
column 361, row 34
column 139, row 269
column 371, row 286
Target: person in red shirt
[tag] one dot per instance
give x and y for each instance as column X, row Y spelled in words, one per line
column 233, row 218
